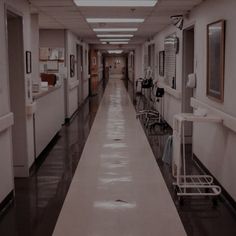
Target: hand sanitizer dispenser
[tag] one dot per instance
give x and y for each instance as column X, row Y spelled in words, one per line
column 191, row 83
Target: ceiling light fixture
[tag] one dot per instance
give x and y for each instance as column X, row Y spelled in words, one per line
column 114, row 40
column 115, row 29
column 115, row 35
column 114, row 20
column 115, row 51
column 118, row 43
column 116, row 3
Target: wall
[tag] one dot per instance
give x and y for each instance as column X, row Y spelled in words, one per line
column 22, row 8
column 214, row 144
column 48, row 118
column 131, row 66
column 6, row 170
column 86, row 70
column 17, row 92
column 138, row 63
column 94, row 71
column 72, row 82
column 52, row 38
column 66, row 39
column 100, row 66
column 171, row 100
column 35, row 47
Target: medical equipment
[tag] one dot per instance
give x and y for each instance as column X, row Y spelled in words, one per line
column 189, row 184
column 151, row 114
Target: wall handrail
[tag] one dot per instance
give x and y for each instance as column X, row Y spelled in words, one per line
column 173, row 92
column 6, row 121
column 73, row 85
column 43, row 93
column 228, row 120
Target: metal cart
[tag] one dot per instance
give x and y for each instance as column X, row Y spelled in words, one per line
column 190, row 185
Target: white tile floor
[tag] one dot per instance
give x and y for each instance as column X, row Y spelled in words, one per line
column 118, row 189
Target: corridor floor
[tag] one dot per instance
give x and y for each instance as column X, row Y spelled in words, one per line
column 39, row 199
column 117, row 188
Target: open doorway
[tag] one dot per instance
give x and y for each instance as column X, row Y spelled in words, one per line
column 117, row 66
column 17, row 92
column 188, row 68
column 80, row 74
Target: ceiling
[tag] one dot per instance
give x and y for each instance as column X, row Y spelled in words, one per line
column 64, row 14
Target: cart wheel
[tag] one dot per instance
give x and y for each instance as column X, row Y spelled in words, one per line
column 214, row 201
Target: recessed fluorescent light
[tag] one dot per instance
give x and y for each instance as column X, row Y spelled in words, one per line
column 115, row 51
column 115, row 35
column 104, row 42
column 114, row 40
column 114, row 20
column 115, row 3
column 115, row 29
column 118, row 42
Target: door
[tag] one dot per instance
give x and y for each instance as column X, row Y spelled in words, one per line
column 80, row 74
column 188, row 68
column 16, row 74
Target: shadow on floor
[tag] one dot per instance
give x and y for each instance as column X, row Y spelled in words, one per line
column 198, row 215
column 39, row 199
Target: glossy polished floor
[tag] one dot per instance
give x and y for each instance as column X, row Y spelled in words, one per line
column 199, row 216
column 39, row 199
column 117, row 188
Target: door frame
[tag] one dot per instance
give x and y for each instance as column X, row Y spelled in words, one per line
column 80, row 72
column 187, row 93
column 23, row 169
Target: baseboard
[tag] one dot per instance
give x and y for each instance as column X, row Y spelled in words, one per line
column 68, row 120
column 224, row 195
column 21, row 171
column 43, row 155
column 7, row 201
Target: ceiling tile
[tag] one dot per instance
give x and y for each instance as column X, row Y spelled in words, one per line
column 65, row 14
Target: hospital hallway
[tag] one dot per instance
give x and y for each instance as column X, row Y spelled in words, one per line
column 119, row 186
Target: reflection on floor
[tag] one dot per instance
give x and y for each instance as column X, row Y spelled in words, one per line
column 117, row 188
column 40, row 198
column 198, row 215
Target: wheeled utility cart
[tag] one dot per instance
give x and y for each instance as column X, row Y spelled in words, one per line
column 185, row 184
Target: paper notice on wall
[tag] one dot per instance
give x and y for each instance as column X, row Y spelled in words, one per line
column 61, row 54
column 44, row 53
column 42, row 67
column 52, row 66
column 53, row 54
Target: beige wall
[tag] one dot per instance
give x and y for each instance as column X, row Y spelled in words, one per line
column 52, row 38
column 6, row 170
column 35, row 47
column 213, row 144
